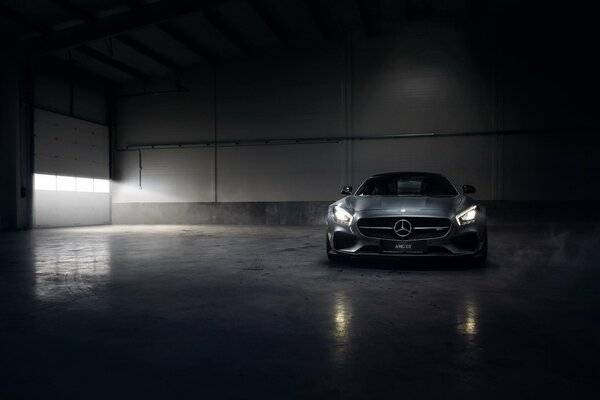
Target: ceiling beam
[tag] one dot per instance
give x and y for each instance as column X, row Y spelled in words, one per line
column 74, row 10
column 270, row 20
column 315, row 9
column 215, row 17
column 103, row 58
column 29, row 23
column 210, row 12
column 57, row 67
column 132, row 3
column 187, row 42
column 146, row 51
column 150, row 14
column 67, row 70
column 123, row 38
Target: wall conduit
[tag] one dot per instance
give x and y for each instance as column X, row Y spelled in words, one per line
column 140, row 164
column 337, row 139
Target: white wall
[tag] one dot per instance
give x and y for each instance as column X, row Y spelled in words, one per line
column 290, row 95
column 463, row 159
column 426, row 80
column 176, row 117
column 71, row 99
column 170, row 175
column 429, row 79
column 307, row 172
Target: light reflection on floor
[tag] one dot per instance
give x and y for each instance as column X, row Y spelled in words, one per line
column 342, row 314
column 467, row 319
column 468, row 327
column 64, row 271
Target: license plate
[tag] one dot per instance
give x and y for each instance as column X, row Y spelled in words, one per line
column 413, row 247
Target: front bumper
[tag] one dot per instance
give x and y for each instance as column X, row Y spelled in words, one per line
column 459, row 241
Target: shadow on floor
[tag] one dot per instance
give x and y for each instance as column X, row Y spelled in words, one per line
column 409, row 263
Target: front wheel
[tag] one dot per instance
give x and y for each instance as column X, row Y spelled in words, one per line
column 480, row 260
column 334, row 258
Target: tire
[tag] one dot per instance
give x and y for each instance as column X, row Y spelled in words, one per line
column 334, row 258
column 480, row 260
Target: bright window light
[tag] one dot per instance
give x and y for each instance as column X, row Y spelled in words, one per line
column 44, row 182
column 66, row 183
column 70, row 184
column 101, row 186
column 85, row 185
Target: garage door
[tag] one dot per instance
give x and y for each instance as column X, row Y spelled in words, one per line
column 71, row 171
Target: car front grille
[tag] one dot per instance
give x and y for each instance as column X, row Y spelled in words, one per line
column 422, row 227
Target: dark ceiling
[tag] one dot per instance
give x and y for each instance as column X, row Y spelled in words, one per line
column 123, row 40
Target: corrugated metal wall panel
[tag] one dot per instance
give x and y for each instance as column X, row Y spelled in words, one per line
column 463, row 159
column 70, row 99
column 52, row 94
column 89, row 104
column 283, row 95
column 429, row 79
column 309, row 172
column 178, row 175
column 180, row 116
column 424, row 81
column 552, row 167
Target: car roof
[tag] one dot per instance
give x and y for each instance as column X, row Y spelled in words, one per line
column 404, row 173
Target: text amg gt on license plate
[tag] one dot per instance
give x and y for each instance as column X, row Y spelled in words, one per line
column 414, row 247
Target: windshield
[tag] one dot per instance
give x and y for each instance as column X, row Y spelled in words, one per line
column 407, row 185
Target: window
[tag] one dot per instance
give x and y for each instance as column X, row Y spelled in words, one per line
column 101, row 186
column 66, row 183
column 85, row 185
column 407, row 184
column 70, row 184
column 44, row 182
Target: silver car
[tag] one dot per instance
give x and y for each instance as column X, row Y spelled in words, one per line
column 407, row 214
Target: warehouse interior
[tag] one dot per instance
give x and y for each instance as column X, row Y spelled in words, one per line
column 167, row 168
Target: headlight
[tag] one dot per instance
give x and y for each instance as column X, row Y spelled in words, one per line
column 341, row 216
column 467, row 216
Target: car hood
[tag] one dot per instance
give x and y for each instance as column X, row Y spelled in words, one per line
column 412, row 205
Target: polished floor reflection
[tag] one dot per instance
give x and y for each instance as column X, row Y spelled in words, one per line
column 65, row 270
column 257, row 312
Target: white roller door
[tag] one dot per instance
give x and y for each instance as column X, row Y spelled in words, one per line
column 71, row 171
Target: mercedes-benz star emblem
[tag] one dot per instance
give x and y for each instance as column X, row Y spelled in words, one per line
column 403, row 228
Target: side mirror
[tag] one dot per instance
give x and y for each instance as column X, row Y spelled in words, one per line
column 467, row 189
column 346, row 190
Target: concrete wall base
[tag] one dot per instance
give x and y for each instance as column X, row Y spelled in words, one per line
column 246, row 213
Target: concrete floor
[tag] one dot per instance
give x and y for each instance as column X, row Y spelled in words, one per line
column 257, row 312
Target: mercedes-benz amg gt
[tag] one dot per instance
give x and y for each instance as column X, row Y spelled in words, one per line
column 407, row 214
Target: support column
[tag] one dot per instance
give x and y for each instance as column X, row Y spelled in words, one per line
column 15, row 142
column 9, row 120
column 349, row 143
column 215, row 154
